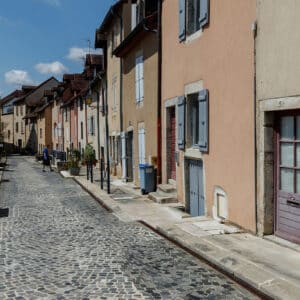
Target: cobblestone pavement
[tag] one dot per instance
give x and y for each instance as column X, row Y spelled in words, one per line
column 58, row 243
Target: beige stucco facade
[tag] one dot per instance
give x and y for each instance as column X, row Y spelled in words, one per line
column 278, row 90
column 19, row 130
column 44, row 129
column 142, row 114
column 7, row 121
column 219, row 58
column 113, row 75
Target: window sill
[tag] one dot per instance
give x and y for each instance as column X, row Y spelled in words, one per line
column 139, row 104
column 193, row 36
column 193, row 153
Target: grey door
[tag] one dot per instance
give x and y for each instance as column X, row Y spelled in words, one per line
column 129, row 156
column 195, row 189
column 287, row 223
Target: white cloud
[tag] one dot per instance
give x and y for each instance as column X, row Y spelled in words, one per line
column 55, row 67
column 17, row 77
column 78, row 54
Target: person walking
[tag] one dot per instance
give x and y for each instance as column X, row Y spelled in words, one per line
column 46, row 159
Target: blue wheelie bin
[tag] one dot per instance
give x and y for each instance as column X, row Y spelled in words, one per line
column 147, row 178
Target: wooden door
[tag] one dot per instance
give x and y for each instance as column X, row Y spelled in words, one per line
column 196, row 191
column 287, row 222
column 129, row 156
column 171, row 144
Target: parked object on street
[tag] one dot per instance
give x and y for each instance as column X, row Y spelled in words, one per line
column 73, row 162
column 147, row 178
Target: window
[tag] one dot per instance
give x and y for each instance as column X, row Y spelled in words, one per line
column 41, row 133
column 114, row 93
column 22, row 127
column 17, row 127
column 55, row 130
column 66, row 114
column 193, row 16
column 21, row 110
column 139, row 79
column 141, row 142
column 17, row 110
column 8, row 134
column 91, row 125
column 192, row 121
column 193, row 113
column 81, row 130
column 81, row 103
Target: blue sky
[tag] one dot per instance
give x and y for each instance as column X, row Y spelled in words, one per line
column 43, row 38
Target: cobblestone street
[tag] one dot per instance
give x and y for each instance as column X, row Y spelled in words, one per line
column 58, row 243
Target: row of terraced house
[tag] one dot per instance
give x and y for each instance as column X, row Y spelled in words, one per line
column 205, row 90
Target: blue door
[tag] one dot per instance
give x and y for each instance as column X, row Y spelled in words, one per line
column 196, row 191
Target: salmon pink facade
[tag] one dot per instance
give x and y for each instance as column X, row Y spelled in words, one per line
column 208, row 113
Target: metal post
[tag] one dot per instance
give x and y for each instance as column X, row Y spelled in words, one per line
column 107, row 139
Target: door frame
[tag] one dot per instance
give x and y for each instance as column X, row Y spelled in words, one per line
column 278, row 116
column 167, row 135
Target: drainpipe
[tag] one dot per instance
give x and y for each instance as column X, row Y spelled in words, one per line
column 107, row 139
column 159, row 78
column 254, row 29
column 98, row 123
column 159, row 70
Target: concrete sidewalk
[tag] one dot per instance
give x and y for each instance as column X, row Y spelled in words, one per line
column 268, row 267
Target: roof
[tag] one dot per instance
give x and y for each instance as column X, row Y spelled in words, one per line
column 94, row 60
column 11, row 96
column 69, row 77
column 78, row 85
column 34, row 97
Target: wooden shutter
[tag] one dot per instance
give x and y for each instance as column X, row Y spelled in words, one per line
column 204, row 13
column 181, row 20
column 203, row 120
column 123, row 153
column 181, row 122
column 137, row 76
column 141, row 141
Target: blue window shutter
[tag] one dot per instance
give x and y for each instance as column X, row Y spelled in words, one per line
column 204, row 13
column 181, row 122
column 181, row 20
column 203, row 120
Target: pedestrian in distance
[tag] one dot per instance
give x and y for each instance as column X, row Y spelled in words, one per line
column 46, row 159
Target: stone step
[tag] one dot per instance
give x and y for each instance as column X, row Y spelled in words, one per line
column 166, row 188
column 172, row 182
column 162, row 198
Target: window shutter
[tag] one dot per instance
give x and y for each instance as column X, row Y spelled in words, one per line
column 204, row 13
column 141, row 140
column 203, row 120
column 141, row 79
column 181, row 122
column 123, row 153
column 89, row 125
column 92, row 125
column 181, row 20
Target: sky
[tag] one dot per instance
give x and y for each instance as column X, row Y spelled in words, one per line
column 44, row 38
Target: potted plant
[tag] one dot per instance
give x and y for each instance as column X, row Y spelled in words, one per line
column 89, row 155
column 73, row 162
